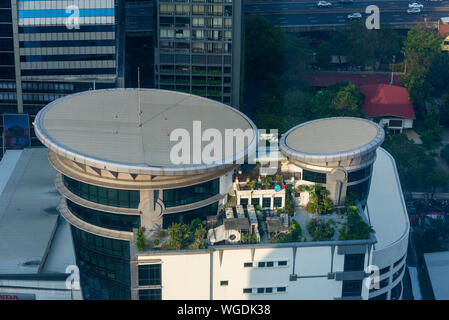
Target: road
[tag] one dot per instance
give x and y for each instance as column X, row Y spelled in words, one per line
column 302, row 13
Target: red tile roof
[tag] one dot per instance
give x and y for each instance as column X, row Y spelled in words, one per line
column 387, row 100
column 443, row 30
column 325, row 79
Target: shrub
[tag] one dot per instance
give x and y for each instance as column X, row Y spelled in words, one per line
column 354, row 228
column 179, row 236
column 156, row 241
column 140, row 242
column 319, row 201
column 294, row 235
column 320, row 230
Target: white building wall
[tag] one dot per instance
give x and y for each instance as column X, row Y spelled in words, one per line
column 184, row 276
column 188, row 276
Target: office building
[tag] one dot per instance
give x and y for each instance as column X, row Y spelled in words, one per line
column 116, row 175
column 198, row 48
column 342, row 161
column 54, row 48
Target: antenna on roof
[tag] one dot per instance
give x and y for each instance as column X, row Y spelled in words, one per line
column 392, row 70
column 138, row 95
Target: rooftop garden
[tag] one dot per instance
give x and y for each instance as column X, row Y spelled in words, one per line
column 178, row 236
column 293, row 235
column 321, row 230
column 319, row 201
column 263, row 183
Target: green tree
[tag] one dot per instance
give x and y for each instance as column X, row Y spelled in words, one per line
column 354, row 228
column 421, row 48
column 323, row 54
column 179, row 236
column 319, row 200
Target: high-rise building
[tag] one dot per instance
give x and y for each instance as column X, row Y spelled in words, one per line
column 53, row 48
column 117, row 155
column 8, row 85
column 198, row 48
column 117, row 175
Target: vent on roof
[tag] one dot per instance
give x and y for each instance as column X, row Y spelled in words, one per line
column 31, row 263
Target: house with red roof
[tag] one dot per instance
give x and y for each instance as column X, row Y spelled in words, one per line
column 389, row 103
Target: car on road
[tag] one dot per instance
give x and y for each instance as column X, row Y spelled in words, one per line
column 346, row 1
column 355, row 15
column 413, row 10
column 323, row 4
column 415, row 5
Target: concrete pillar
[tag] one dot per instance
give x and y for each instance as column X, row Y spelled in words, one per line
column 151, row 209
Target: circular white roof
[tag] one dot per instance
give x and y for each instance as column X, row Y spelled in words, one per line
column 332, row 139
column 101, row 129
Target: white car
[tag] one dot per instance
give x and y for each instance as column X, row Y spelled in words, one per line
column 323, row 4
column 415, row 5
column 355, row 15
column 413, row 10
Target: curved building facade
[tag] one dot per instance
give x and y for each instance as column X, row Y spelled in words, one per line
column 113, row 153
column 336, row 152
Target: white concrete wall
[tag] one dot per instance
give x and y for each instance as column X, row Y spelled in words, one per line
column 406, row 123
column 188, row 276
column 184, row 276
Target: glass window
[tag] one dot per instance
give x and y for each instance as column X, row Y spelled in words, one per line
column 398, row 262
column 352, row 288
column 313, row 176
column 150, row 274
column 198, row 22
column 282, row 263
column 396, row 291
column 359, row 174
column 398, row 273
column 384, row 270
column 188, row 216
column 244, row 201
column 106, row 196
column 266, row 203
column 277, row 202
column 150, row 294
column 382, row 284
column 255, row 201
column 187, row 195
column 102, row 219
column 354, row 262
column 380, row 297
column 228, row 23
column 359, row 189
column 248, row 265
column 281, row 289
column 395, row 123
column 167, row 8
column 104, row 274
column 198, row 9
